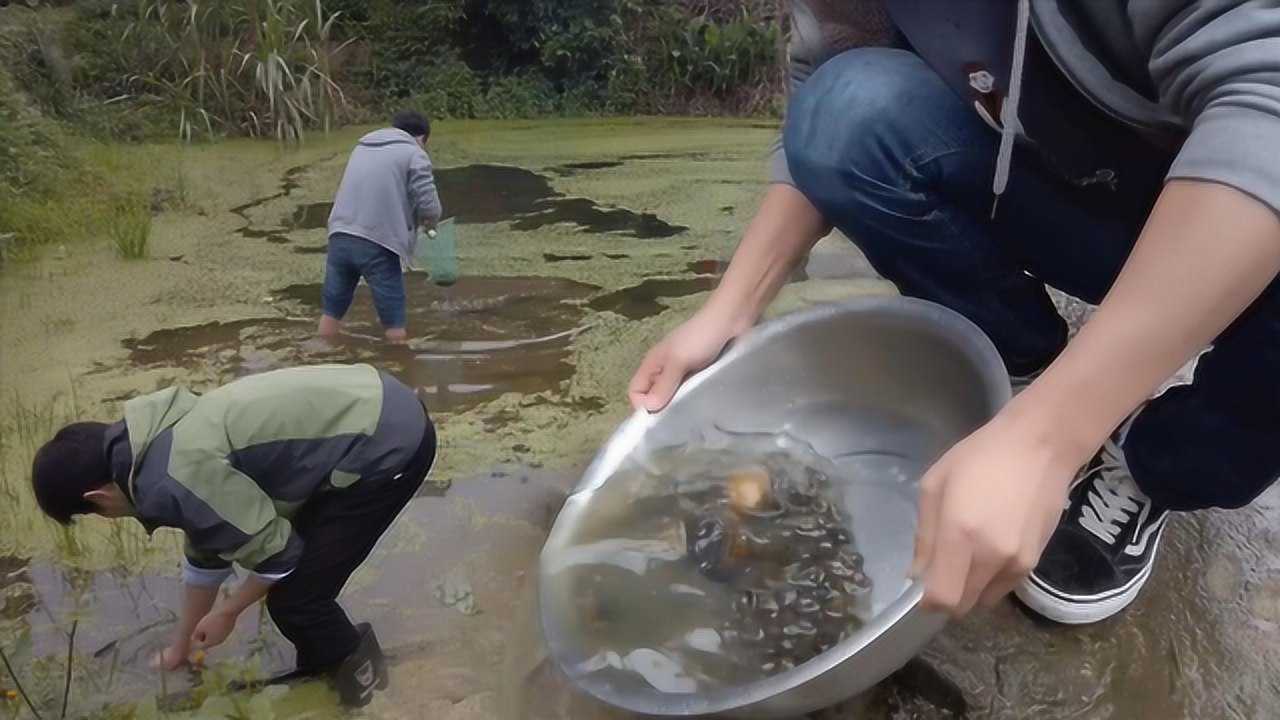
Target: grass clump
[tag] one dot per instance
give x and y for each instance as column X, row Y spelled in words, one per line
column 57, row 187
column 130, row 229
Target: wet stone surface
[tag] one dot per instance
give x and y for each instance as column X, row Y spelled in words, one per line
column 474, row 341
column 1202, row 641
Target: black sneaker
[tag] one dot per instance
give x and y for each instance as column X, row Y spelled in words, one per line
column 1018, row 383
column 364, row 671
column 1103, row 550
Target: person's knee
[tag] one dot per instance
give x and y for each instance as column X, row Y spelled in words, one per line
column 863, row 114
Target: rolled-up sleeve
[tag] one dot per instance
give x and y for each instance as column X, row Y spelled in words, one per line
column 201, row 569
column 1222, row 74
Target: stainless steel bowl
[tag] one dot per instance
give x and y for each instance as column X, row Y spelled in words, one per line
column 882, row 386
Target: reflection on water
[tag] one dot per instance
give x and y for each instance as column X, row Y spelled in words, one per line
column 645, row 300
column 482, row 194
column 311, row 216
column 504, row 193
column 571, row 169
column 474, row 341
column 707, row 570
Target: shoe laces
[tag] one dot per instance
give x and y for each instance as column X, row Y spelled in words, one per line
column 1112, row 497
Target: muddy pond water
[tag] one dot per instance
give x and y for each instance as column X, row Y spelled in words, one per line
column 473, row 341
column 474, row 194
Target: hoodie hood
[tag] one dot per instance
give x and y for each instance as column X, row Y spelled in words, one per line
column 149, row 415
column 388, row 136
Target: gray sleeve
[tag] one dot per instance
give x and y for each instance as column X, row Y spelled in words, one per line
column 422, row 190
column 1219, row 68
column 806, row 51
column 201, row 569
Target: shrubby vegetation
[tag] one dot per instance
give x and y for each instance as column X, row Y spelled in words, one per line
column 278, row 68
column 197, row 70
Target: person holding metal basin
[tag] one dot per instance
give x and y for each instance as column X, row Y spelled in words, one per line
column 1126, row 153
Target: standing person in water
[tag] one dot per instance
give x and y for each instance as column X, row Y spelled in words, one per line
column 1134, row 149
column 293, row 475
column 388, row 191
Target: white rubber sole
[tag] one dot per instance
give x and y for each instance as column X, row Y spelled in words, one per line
column 1070, row 609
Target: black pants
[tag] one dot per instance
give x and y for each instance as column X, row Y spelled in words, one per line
column 897, row 161
column 339, row 529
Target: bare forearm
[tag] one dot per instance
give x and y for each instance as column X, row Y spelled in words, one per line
column 250, row 591
column 786, row 227
column 196, row 603
column 1207, row 253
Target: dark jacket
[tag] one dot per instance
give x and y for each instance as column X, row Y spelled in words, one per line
column 231, row 468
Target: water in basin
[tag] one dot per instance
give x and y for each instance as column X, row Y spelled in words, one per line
column 712, row 567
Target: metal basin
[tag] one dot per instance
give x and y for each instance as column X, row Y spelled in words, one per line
column 882, row 387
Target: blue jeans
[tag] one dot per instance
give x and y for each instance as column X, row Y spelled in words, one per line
column 351, row 258
column 900, row 163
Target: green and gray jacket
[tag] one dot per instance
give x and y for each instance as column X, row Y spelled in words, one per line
column 1199, row 80
column 232, row 467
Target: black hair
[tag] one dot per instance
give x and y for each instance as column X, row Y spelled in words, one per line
column 73, row 463
column 412, row 122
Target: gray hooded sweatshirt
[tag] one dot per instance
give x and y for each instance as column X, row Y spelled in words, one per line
column 1201, row 76
column 387, row 191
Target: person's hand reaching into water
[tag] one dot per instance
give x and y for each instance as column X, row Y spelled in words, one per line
column 213, row 629
column 171, row 659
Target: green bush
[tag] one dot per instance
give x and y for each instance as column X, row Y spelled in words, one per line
column 520, row 96
column 455, row 91
column 53, row 187
column 672, row 63
column 410, row 49
column 520, row 58
column 33, row 162
column 134, row 69
column 239, row 67
column 31, row 49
